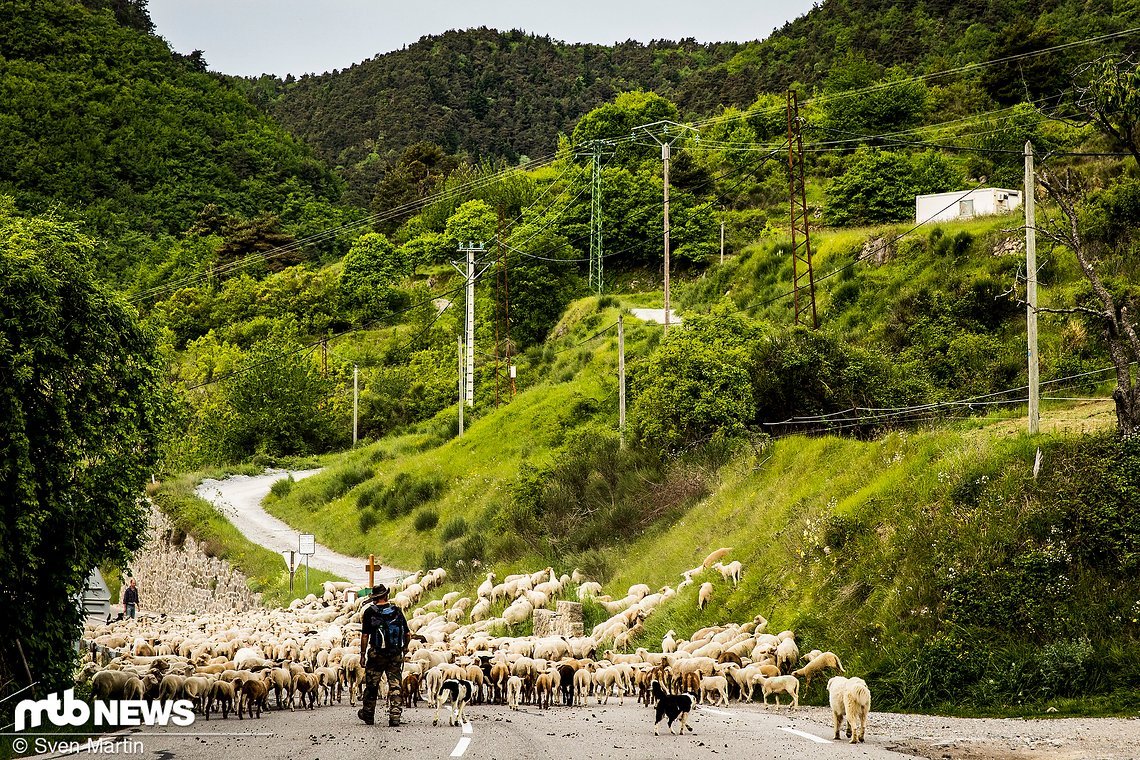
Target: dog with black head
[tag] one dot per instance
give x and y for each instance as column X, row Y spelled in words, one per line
column 456, row 692
column 675, row 707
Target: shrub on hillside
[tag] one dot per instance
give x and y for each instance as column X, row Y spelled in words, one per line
column 798, row 372
column 696, row 382
column 426, row 519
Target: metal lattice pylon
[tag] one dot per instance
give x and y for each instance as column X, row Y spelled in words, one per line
column 596, row 221
column 803, row 278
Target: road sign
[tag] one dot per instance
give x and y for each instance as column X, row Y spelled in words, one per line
column 308, row 544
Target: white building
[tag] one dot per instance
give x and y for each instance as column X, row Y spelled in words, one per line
column 965, row 204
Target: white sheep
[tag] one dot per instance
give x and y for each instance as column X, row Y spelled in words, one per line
column 818, row 663
column 730, row 572
column 777, row 685
column 704, row 595
column 787, row 655
column 718, row 684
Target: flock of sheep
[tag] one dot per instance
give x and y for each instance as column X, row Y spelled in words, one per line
column 307, row 655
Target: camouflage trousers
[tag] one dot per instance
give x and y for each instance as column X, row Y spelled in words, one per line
column 377, row 668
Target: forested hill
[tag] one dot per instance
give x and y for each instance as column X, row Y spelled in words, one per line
column 506, row 94
column 101, row 121
column 479, row 91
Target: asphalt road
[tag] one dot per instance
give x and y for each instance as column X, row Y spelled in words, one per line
column 596, row 732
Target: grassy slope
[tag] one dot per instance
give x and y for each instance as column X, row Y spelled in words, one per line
column 841, row 539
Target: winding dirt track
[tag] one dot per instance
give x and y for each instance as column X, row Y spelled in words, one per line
column 239, row 497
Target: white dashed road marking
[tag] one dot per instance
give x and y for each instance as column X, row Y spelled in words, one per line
column 715, row 711
column 806, row 735
column 461, row 747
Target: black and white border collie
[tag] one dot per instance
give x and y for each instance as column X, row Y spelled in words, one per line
column 672, row 706
column 456, row 692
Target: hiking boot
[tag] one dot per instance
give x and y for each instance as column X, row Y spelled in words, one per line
column 365, row 717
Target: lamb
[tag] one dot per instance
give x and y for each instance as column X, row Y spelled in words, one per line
column 222, row 694
column 589, row 589
column 254, row 693
column 704, row 595
column 669, row 644
column 718, row 684
column 514, row 691
column 819, row 663
column 857, row 705
column 789, row 685
column 730, row 572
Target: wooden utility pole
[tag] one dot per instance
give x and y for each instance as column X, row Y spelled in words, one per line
column 1031, row 292
column 621, row 380
column 355, row 403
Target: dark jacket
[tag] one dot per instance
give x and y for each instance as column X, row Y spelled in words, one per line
column 131, row 595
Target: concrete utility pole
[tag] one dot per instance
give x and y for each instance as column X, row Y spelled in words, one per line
column 596, row 220
column 621, row 381
column 722, row 240
column 461, row 385
column 355, row 402
column 665, row 133
column 470, row 275
column 1031, row 292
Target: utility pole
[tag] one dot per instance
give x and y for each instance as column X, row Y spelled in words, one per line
column 660, row 132
column 621, row 381
column 722, row 239
column 324, row 357
column 355, row 403
column 461, row 384
column 797, row 198
column 469, row 318
column 596, row 220
column 469, row 363
column 1031, row 291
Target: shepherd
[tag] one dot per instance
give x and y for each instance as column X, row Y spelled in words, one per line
column 384, row 638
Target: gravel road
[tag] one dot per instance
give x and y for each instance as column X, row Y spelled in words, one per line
column 239, row 497
column 613, row 732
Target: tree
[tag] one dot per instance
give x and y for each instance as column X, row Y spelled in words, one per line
column 373, row 269
column 473, row 222
column 618, row 119
column 696, row 382
column 880, row 186
column 275, row 403
column 1098, row 224
column 82, row 413
column 893, row 103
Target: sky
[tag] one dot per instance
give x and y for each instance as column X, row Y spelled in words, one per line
column 252, row 37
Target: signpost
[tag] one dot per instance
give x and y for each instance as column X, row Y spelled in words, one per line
column 306, row 547
column 372, row 567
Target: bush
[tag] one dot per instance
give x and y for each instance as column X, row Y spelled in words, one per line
column 282, row 487
column 454, row 529
column 406, row 492
column 426, row 519
column 368, row 520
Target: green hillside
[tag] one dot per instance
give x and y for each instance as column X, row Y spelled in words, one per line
column 104, row 124
column 506, row 94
